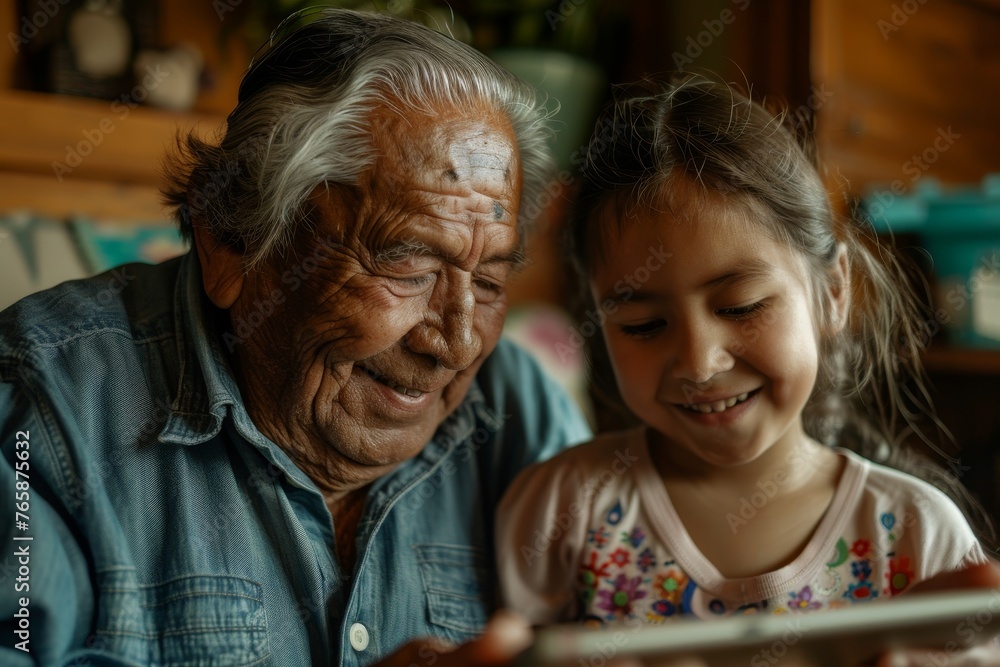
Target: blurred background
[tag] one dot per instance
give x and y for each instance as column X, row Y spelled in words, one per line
column 901, row 97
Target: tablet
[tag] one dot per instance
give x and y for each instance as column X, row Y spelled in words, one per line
column 948, row 622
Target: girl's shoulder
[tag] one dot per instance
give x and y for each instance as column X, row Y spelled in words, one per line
column 888, row 485
column 910, row 508
column 607, row 457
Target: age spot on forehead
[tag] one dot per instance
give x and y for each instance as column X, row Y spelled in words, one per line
column 497, row 211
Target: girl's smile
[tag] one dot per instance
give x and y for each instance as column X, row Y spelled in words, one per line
column 718, row 350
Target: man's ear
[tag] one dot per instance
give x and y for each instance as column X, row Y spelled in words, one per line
column 221, row 268
column 839, row 291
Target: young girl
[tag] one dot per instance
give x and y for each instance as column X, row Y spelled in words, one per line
column 757, row 339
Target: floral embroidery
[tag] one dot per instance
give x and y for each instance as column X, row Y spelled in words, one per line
column 670, row 586
column 615, row 514
column 861, row 590
column 620, row 557
column 634, row 538
column 888, row 520
column 598, row 537
column 646, row 560
column 862, row 548
column 861, row 569
column 662, row 609
column 619, row 601
column 803, row 601
column 590, row 575
column 900, row 575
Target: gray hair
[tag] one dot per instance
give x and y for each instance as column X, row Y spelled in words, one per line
column 302, row 120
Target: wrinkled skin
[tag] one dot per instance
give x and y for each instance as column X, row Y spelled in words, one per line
column 386, row 308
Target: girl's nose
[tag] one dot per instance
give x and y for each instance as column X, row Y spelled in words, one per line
column 702, row 352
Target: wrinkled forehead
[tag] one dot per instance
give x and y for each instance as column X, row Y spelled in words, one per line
column 473, row 135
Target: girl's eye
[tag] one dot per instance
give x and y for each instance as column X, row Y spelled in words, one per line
column 742, row 312
column 644, row 330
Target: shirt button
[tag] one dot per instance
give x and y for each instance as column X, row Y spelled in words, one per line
column 359, row 637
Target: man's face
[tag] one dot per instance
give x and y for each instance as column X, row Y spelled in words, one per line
column 375, row 346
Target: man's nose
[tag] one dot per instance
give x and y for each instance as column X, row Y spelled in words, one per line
column 702, row 351
column 447, row 331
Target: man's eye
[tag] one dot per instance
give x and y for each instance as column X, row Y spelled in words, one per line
column 419, row 281
column 487, row 290
column 742, row 312
column 644, row 330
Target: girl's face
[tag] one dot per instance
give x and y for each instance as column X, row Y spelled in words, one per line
column 710, row 331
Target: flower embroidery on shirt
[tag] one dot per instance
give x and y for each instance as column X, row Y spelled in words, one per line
column 861, row 590
column 619, row 600
column 621, row 557
column 861, row 569
column 802, row 601
column 634, row 538
column 590, row 575
column 670, row 585
column 615, row 514
column 646, row 560
column 900, row 575
column 598, row 536
column 862, row 548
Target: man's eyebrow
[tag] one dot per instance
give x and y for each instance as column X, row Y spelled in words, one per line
column 517, row 259
column 404, row 249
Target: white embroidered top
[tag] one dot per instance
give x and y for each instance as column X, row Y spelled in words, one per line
column 592, row 535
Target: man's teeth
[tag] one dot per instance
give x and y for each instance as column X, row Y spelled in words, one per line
column 718, row 406
column 396, row 387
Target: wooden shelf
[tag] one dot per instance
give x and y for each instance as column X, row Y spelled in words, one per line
column 119, row 152
column 113, row 141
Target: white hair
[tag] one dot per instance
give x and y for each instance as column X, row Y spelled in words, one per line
column 302, row 120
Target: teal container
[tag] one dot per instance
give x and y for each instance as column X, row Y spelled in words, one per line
column 960, row 229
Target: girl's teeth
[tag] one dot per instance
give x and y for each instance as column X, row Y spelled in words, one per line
column 719, row 406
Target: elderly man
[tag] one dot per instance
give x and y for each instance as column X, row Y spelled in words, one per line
column 286, row 447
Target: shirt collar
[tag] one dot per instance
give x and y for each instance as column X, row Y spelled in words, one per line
column 206, row 388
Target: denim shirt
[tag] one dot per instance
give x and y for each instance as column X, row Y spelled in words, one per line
column 167, row 530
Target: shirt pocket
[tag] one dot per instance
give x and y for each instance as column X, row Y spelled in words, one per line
column 459, row 586
column 189, row 621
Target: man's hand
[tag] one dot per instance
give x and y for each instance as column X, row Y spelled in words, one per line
column 505, row 636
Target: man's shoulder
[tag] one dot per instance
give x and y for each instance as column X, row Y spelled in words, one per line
column 132, row 301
